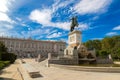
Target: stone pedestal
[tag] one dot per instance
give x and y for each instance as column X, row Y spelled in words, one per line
column 49, row 56
column 74, row 38
column 71, row 52
column 38, row 58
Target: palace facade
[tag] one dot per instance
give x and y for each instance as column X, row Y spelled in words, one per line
column 32, row 48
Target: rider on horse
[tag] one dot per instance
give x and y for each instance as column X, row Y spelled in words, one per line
column 74, row 23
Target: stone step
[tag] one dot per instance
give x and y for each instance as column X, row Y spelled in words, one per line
column 32, row 71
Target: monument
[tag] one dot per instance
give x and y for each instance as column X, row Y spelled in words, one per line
column 76, row 52
column 74, row 23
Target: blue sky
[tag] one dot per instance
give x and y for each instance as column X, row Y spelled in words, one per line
column 50, row 19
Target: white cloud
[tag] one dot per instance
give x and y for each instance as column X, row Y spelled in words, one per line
column 52, row 32
column 41, row 16
column 59, row 4
column 7, row 33
column 18, row 19
column 44, row 17
column 5, row 29
column 111, row 33
column 116, row 28
column 8, row 26
column 35, row 32
column 82, row 27
column 95, row 18
column 6, row 23
column 96, row 38
column 4, row 8
column 54, row 35
column 62, row 25
column 5, row 26
column 4, row 17
column 40, row 31
column 91, row 6
column 23, row 24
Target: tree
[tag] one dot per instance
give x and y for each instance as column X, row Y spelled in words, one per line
column 3, row 49
column 91, row 44
column 104, row 53
column 108, row 45
column 4, row 55
column 9, row 57
column 97, row 44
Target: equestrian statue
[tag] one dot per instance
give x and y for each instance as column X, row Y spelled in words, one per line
column 74, row 23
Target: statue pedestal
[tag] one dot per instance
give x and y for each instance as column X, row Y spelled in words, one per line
column 74, row 42
column 74, row 38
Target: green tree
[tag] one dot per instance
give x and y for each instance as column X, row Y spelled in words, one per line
column 109, row 45
column 97, row 44
column 3, row 49
column 4, row 55
column 9, row 57
column 104, row 53
column 91, row 44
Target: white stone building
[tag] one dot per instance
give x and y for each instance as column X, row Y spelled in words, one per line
column 31, row 48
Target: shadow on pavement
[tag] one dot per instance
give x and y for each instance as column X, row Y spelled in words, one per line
column 36, row 76
column 2, row 78
column 5, row 72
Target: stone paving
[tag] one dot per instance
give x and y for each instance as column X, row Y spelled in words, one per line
column 54, row 73
column 11, row 72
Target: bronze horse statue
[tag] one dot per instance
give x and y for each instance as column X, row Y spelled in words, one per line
column 74, row 23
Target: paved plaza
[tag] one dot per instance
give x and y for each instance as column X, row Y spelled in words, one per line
column 11, row 72
column 53, row 73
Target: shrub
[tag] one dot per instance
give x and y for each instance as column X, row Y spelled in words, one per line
column 9, row 57
column 1, row 64
column 102, row 53
column 6, row 63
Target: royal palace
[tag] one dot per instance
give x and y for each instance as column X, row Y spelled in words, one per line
column 32, row 48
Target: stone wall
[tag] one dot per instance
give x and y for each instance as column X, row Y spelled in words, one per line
column 63, row 61
column 104, row 61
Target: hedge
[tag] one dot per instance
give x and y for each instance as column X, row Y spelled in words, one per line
column 4, row 64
